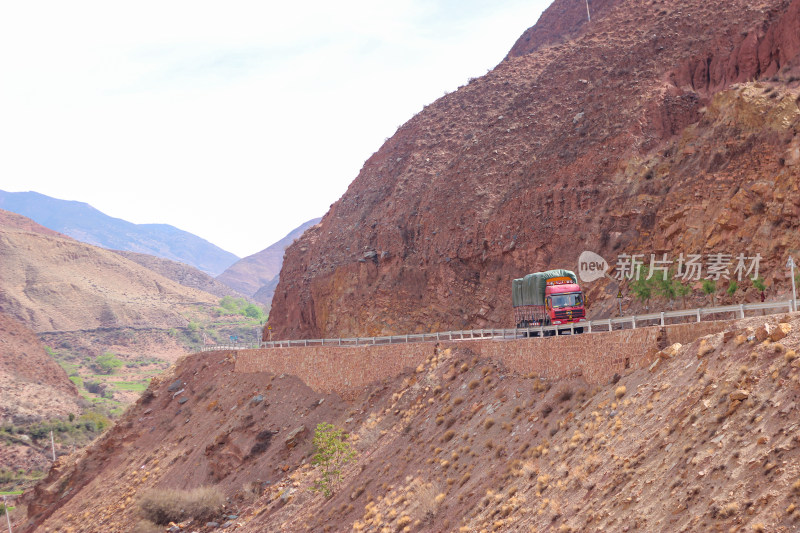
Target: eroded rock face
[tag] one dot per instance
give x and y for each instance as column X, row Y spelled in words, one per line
column 598, row 136
column 749, row 55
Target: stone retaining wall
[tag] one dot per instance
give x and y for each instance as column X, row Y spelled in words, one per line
column 596, row 358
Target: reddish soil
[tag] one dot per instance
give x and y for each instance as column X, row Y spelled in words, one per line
column 32, row 385
column 657, row 127
column 32, row 388
column 703, row 440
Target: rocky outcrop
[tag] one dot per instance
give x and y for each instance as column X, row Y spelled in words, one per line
column 758, row 51
column 587, row 137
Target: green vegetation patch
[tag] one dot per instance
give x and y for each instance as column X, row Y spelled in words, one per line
column 138, row 386
column 239, row 306
column 108, row 363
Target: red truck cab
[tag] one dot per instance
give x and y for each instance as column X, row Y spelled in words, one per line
column 564, row 301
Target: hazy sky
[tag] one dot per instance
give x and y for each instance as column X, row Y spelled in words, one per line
column 236, row 121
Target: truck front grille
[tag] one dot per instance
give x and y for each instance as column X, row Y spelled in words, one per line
column 568, row 314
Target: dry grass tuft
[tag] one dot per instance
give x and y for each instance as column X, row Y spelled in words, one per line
column 565, row 394
column 620, row 392
column 704, row 349
column 729, row 510
column 426, row 499
column 162, row 506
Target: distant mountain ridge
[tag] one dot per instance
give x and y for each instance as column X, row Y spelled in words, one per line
column 257, row 275
column 84, row 223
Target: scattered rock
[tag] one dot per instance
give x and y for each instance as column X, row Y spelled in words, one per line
column 294, row 437
column 670, row 351
column 257, row 399
column 780, row 332
column 763, row 332
column 739, row 395
column 175, row 386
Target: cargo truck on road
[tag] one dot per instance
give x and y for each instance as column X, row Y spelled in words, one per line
column 550, row 298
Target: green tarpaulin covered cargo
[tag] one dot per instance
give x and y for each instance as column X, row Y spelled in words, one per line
column 530, row 289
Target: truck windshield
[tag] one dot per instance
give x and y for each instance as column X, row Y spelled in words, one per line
column 573, row 299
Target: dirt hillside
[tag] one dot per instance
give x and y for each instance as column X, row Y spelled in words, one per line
column 33, row 389
column 56, row 284
column 13, row 220
column 32, row 385
column 704, row 440
column 658, row 127
column 186, row 275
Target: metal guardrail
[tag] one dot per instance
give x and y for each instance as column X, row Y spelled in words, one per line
column 229, row 346
column 589, row 326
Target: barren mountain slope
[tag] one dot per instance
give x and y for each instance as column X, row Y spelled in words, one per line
column 186, row 275
column 704, row 440
column 13, row 220
column 589, row 136
column 32, row 385
column 55, row 284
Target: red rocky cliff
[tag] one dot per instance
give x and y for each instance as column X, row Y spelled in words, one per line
column 621, row 134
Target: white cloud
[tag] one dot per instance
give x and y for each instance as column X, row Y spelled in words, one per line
column 236, row 121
